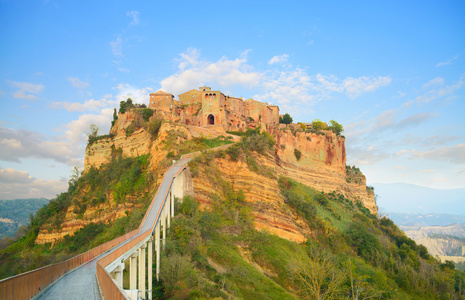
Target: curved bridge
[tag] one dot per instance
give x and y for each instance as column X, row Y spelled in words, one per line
column 100, row 270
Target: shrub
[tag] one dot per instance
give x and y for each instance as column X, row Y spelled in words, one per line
column 318, row 125
column 336, row 127
column 146, row 113
column 297, row 154
column 154, row 127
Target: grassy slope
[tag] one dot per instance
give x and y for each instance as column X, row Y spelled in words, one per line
column 352, row 252
column 218, row 253
column 122, row 181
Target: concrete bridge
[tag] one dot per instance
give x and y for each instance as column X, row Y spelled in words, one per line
column 99, row 272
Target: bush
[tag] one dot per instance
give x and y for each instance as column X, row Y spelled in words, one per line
column 336, row 127
column 318, row 125
column 154, row 127
column 297, row 154
column 146, row 113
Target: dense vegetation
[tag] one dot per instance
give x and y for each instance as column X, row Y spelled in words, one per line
column 217, row 253
column 18, row 211
column 124, row 179
column 351, row 255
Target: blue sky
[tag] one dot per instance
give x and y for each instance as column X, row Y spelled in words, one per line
column 392, row 72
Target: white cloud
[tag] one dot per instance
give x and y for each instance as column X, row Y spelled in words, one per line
column 124, row 70
column 453, row 154
column 11, row 143
column 13, row 176
column 434, row 82
column 16, row 184
column 78, row 83
column 116, row 47
column 446, row 63
column 68, row 147
column 289, row 88
column 194, row 72
column 135, row 17
column 26, row 90
column 356, row 86
column 278, row 59
column 434, row 94
column 88, row 105
column 428, row 171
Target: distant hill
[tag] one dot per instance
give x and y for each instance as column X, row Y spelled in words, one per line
column 414, row 199
column 14, row 213
column 424, row 220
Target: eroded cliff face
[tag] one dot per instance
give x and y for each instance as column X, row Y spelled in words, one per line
column 262, row 193
column 322, row 164
column 140, row 142
column 105, row 213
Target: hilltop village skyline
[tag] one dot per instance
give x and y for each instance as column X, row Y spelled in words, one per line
column 212, row 107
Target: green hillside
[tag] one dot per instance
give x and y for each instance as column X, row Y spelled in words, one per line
column 217, row 253
column 352, row 255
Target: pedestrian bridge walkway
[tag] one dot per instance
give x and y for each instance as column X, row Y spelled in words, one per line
column 99, row 272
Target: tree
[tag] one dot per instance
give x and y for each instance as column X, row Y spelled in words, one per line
column 318, row 124
column 317, row 276
column 115, row 117
column 93, row 133
column 73, row 178
column 286, row 119
column 336, row 127
column 125, row 105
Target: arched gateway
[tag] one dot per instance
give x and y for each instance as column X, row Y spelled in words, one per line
column 211, row 120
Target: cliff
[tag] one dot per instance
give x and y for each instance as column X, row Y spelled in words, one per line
column 322, row 164
column 262, row 194
column 118, row 143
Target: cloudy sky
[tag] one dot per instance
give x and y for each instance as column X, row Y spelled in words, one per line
column 392, row 72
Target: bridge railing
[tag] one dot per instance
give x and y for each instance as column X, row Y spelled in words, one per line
column 27, row 285
column 108, row 286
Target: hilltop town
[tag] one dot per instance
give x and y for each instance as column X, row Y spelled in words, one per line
column 206, row 107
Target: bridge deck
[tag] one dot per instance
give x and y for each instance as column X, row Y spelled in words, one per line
column 81, row 283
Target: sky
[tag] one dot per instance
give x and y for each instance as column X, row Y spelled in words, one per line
column 391, row 72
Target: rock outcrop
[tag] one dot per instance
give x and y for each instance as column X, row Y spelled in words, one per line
column 262, row 193
column 322, row 164
column 316, row 159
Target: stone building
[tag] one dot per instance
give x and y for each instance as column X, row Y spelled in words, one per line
column 204, row 107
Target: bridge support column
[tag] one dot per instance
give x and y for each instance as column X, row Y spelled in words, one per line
column 119, row 275
column 168, row 214
column 133, row 271
column 149, row 265
column 157, row 250
column 163, row 220
column 142, row 271
column 172, row 202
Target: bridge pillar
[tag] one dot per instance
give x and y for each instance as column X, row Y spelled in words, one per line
column 157, row 250
column 118, row 275
column 149, row 265
column 142, row 271
column 163, row 219
column 172, row 202
column 133, row 271
column 168, row 214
